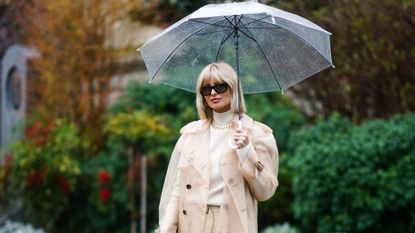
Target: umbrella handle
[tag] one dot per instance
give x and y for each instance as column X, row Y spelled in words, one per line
column 230, row 142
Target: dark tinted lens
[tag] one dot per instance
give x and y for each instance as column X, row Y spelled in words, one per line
column 220, row 88
column 206, row 90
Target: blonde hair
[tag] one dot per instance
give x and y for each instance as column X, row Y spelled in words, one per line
column 220, row 72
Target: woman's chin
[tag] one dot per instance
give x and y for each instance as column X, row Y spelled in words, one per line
column 220, row 109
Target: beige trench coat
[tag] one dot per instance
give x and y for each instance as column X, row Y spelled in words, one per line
column 245, row 184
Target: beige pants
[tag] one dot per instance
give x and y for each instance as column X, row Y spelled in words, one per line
column 211, row 219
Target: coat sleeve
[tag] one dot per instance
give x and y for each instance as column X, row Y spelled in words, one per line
column 169, row 203
column 260, row 168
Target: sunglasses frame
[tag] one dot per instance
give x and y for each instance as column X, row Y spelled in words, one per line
column 217, row 87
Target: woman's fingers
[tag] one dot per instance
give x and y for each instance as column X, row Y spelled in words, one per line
column 241, row 138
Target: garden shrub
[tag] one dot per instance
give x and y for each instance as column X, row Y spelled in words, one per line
column 101, row 203
column 278, row 112
column 43, row 171
column 350, row 178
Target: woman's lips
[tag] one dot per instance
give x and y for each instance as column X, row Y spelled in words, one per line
column 215, row 100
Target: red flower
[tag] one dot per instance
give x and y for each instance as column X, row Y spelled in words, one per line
column 63, row 185
column 34, row 179
column 104, row 194
column 33, row 130
column 104, row 177
column 39, row 132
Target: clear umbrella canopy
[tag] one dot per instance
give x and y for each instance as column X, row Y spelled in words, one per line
column 271, row 48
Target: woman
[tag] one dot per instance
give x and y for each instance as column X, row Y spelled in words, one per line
column 210, row 186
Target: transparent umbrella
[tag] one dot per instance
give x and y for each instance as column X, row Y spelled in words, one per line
column 271, row 49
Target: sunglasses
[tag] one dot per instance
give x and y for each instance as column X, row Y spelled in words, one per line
column 218, row 87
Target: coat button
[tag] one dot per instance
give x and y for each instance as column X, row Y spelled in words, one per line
column 188, row 186
column 184, row 212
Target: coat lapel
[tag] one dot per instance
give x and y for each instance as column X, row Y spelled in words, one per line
column 198, row 148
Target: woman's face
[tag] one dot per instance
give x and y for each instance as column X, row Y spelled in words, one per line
column 219, row 102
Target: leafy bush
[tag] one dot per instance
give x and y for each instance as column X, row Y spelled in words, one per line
column 101, row 203
column 148, row 135
column 278, row 112
column 42, row 170
column 60, row 185
column 351, row 178
column 176, row 107
column 104, row 200
column 145, row 130
column 173, row 107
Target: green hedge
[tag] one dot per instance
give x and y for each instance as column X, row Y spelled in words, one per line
column 350, row 178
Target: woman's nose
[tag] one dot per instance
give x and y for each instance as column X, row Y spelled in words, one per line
column 213, row 92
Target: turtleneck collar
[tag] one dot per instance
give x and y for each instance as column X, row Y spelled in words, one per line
column 223, row 118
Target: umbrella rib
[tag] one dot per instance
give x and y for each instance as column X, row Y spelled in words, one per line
column 239, row 20
column 174, row 50
column 250, row 37
column 211, row 24
column 230, row 21
column 263, row 53
column 222, row 42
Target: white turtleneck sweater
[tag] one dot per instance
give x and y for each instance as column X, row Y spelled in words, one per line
column 219, row 139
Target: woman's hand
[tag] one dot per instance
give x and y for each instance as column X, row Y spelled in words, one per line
column 241, row 138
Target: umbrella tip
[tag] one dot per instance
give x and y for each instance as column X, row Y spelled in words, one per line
column 150, row 81
column 282, row 92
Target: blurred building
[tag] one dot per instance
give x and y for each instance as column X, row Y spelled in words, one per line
column 130, row 35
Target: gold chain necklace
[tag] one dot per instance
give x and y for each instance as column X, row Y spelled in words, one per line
column 221, row 127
